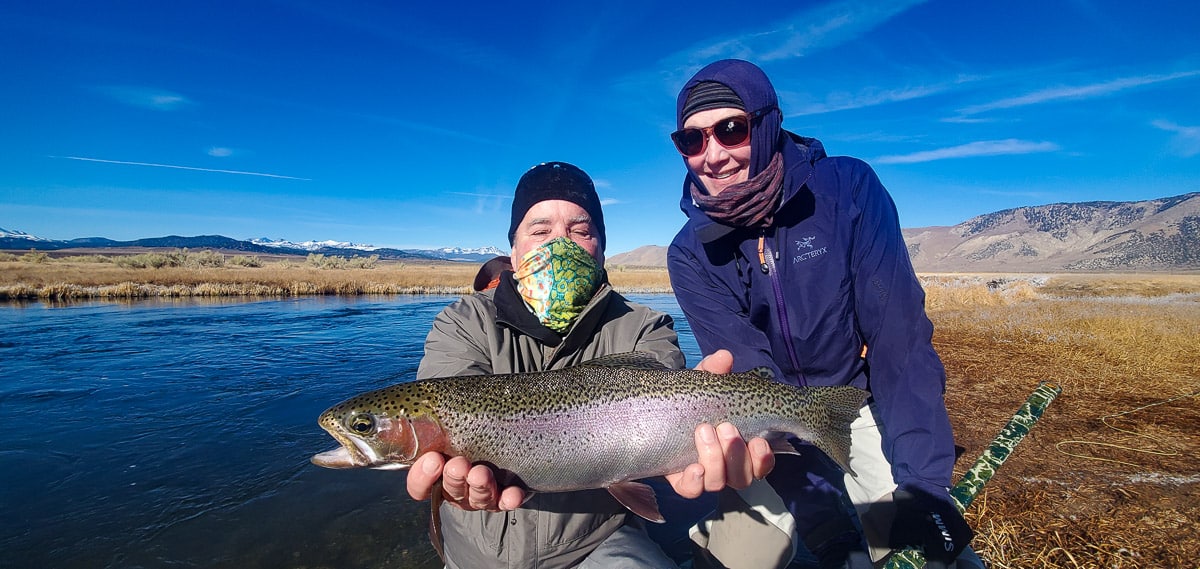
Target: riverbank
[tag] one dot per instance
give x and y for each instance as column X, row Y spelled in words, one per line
column 181, row 273
column 96, row 277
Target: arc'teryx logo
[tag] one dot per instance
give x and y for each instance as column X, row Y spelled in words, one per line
column 810, row 251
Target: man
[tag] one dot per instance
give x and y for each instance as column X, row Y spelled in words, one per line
column 555, row 310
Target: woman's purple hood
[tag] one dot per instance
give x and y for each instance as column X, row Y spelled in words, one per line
column 756, row 93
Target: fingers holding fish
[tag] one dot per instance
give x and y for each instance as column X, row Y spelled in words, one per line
column 689, row 483
column 736, row 462
column 739, row 462
column 762, row 459
column 466, row 486
column 720, row 361
column 424, row 475
column 478, row 490
column 711, row 456
column 511, row 498
column 738, row 470
column 432, row 468
column 482, row 493
column 455, row 487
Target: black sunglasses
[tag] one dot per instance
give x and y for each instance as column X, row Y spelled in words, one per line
column 730, row 132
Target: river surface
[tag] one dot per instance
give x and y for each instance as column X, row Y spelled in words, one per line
column 177, row 433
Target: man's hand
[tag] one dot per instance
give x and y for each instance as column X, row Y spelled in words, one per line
column 468, row 487
column 725, row 459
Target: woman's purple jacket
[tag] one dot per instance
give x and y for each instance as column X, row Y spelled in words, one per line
column 834, row 276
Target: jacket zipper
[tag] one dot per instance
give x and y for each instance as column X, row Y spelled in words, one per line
column 766, row 260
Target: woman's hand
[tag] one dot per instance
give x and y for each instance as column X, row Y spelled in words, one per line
column 725, row 459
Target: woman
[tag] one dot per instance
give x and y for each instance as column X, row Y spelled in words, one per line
column 794, row 260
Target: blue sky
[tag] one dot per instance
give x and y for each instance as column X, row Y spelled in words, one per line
column 405, row 125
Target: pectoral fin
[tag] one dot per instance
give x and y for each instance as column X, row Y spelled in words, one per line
column 779, row 443
column 639, row 498
column 435, row 520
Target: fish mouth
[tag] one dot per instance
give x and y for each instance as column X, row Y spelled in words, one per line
column 339, row 457
column 342, row 457
column 352, row 453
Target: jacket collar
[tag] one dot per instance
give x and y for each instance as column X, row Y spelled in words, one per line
column 800, row 154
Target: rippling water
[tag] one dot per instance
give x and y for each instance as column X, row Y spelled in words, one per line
column 177, row 433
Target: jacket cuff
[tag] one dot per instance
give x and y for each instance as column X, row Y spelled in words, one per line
column 932, row 490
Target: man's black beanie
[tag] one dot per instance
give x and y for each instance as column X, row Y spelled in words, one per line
column 556, row 181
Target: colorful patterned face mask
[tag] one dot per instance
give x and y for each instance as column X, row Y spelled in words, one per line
column 557, row 280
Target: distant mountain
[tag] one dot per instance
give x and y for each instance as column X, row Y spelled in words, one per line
column 6, row 234
column 311, row 245
column 17, row 240
column 644, row 256
column 477, row 255
column 1153, row 235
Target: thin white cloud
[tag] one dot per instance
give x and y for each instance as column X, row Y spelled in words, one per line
column 193, row 168
column 799, row 34
column 808, row 31
column 1186, row 141
column 482, row 195
column 147, row 97
column 220, row 152
column 873, row 97
column 1077, row 91
column 970, row 150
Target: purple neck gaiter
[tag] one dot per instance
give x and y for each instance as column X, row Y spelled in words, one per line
column 749, row 204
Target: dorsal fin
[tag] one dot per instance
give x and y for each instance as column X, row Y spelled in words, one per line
column 639, row 360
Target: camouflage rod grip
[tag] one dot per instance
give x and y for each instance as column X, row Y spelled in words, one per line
column 985, row 467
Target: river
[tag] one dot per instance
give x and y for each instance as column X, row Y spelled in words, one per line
column 177, row 433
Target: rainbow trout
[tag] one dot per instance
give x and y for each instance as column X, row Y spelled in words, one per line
column 602, row 424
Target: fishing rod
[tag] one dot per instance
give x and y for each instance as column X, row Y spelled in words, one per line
column 985, row 467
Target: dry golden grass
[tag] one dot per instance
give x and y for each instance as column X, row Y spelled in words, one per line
column 651, row 280
column 78, row 280
column 83, row 278
column 1109, row 477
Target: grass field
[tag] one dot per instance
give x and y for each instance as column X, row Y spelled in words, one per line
column 32, row 277
column 1110, row 477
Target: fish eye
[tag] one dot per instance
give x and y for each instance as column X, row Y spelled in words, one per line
column 362, row 424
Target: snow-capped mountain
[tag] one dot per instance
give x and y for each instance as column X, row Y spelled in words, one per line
column 467, row 254
column 311, row 245
column 19, row 240
column 446, row 253
column 4, row 233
